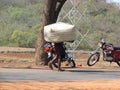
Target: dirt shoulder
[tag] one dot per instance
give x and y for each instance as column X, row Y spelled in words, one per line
column 64, row 85
column 12, row 57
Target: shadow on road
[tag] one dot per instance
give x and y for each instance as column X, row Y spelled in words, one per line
column 92, row 70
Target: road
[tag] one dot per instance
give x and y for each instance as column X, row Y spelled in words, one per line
column 7, row 74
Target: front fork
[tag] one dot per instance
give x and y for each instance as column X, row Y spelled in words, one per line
column 97, row 52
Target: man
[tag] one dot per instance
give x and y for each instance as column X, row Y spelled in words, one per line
column 59, row 55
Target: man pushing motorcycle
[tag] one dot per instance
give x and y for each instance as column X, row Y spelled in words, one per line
column 59, row 55
column 58, row 33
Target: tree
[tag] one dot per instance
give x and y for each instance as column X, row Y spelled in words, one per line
column 51, row 11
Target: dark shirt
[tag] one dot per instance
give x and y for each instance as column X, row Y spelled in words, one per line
column 59, row 50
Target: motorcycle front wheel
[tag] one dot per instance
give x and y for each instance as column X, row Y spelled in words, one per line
column 72, row 63
column 118, row 63
column 93, row 59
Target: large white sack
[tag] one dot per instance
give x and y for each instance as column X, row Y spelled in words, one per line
column 59, row 32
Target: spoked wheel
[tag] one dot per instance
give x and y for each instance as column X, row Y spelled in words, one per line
column 72, row 64
column 118, row 63
column 93, row 59
column 55, row 64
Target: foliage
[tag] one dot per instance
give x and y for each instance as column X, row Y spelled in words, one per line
column 21, row 39
column 20, row 21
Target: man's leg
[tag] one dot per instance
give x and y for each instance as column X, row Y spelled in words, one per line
column 59, row 64
column 51, row 61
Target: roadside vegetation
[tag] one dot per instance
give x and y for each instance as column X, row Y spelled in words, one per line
column 20, row 22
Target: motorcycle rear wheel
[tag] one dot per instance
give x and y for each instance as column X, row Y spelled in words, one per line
column 72, row 63
column 118, row 63
column 93, row 59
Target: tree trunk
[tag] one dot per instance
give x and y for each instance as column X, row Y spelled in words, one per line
column 50, row 15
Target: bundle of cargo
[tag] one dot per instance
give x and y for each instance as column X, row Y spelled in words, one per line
column 59, row 32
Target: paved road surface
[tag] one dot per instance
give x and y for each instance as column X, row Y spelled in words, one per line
column 7, row 74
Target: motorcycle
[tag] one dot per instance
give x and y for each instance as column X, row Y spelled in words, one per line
column 110, row 53
column 49, row 49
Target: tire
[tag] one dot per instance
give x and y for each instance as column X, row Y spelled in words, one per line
column 72, row 63
column 55, row 65
column 118, row 63
column 93, row 59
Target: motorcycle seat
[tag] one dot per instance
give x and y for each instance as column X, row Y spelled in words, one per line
column 117, row 48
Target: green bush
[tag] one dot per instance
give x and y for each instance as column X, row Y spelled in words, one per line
column 23, row 39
